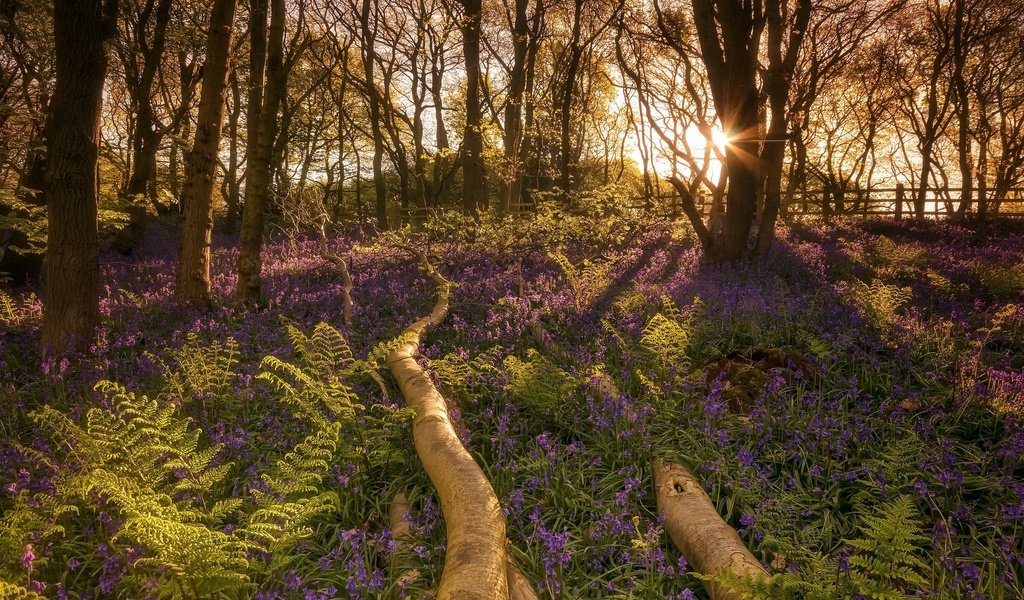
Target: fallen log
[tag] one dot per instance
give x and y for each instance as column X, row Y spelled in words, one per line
column 519, row 587
column 709, row 544
column 475, row 562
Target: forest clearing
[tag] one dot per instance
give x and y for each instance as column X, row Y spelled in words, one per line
column 851, row 410
column 511, row 299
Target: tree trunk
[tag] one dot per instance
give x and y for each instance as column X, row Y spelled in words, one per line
column 514, row 106
column 233, row 189
column 71, row 299
column 700, row 533
column 922, row 187
column 474, row 182
column 192, row 285
column 475, row 561
column 782, row 56
column 565, row 105
column 527, row 143
column 145, row 136
column 960, row 49
column 440, row 181
column 373, row 99
column 258, row 179
column 732, row 71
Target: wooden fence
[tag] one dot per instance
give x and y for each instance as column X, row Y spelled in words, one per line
column 896, row 202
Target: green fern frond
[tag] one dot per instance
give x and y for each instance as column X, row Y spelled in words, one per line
column 539, row 385
column 12, row 591
column 203, row 373
column 887, row 562
column 666, row 337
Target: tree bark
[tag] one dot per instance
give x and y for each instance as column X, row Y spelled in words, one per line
column 373, row 100
column 71, row 299
column 259, row 174
column 568, row 88
column 709, row 544
column 232, row 179
column 729, row 39
column 440, row 179
column 474, row 181
column 514, row 106
column 960, row 48
column 475, row 562
column 192, row 285
column 782, row 57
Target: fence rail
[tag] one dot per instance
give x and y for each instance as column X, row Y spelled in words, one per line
column 895, row 202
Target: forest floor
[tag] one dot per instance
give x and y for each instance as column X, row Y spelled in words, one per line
column 852, row 405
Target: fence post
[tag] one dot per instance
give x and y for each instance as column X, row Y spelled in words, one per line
column 900, row 191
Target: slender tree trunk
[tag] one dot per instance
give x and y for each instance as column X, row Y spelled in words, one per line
column 931, row 129
column 782, row 55
column 528, row 142
column 232, row 197
column 963, row 108
column 983, row 178
column 192, row 284
column 71, row 301
column 258, row 180
column 146, row 139
column 514, row 106
column 368, row 34
column 926, row 174
column 565, row 106
column 474, row 182
column 441, row 187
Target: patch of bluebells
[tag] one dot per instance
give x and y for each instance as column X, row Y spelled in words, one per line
column 796, row 437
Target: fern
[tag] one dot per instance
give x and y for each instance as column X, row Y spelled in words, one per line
column 324, row 350
column 540, row 386
column 16, row 313
column 894, row 259
column 584, row 281
column 894, row 469
column 141, row 462
column 317, row 400
column 209, row 561
column 667, row 336
column 1000, row 279
column 293, row 498
column 203, row 373
column 881, row 302
column 141, row 478
column 317, row 386
column 26, row 218
column 886, row 562
column 454, row 371
column 11, row 591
